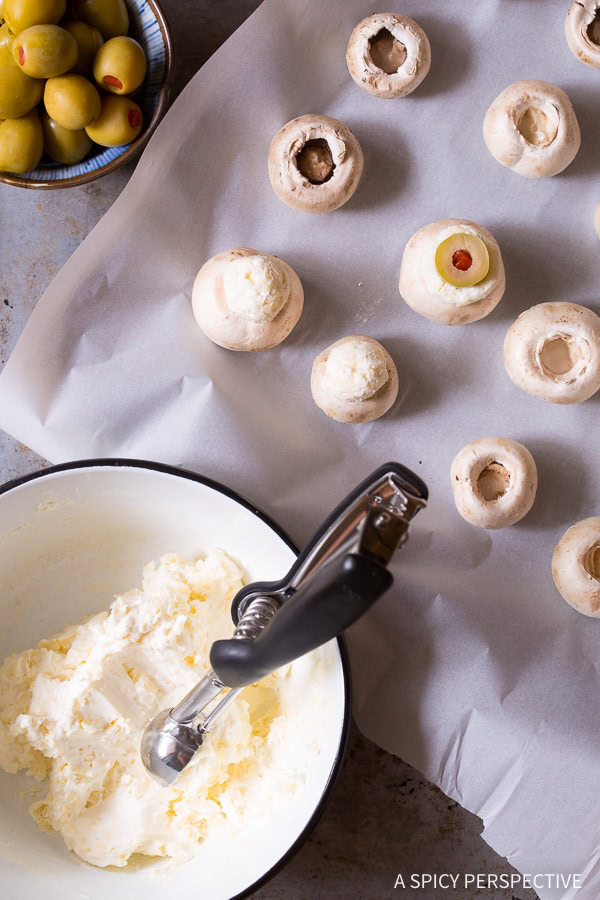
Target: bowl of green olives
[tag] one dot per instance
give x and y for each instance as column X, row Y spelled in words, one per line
column 83, row 84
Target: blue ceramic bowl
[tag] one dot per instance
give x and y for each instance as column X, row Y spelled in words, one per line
column 147, row 24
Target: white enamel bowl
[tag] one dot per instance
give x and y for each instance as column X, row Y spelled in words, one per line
column 70, row 538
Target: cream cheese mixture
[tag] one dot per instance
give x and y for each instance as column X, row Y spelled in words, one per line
column 73, row 709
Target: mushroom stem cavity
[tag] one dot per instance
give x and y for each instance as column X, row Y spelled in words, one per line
column 537, row 127
column 387, row 52
column 315, row 161
column 591, row 562
column 558, row 355
column 493, row 481
column 593, row 29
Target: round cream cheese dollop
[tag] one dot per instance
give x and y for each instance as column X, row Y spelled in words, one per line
column 256, row 287
column 355, row 370
column 458, row 296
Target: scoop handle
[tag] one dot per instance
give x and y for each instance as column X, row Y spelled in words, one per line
column 338, row 594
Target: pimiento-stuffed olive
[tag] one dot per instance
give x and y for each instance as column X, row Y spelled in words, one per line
column 72, row 101
column 18, row 93
column 119, row 122
column 120, row 65
column 22, row 14
column 44, row 51
column 6, row 39
column 21, row 143
column 110, row 17
column 88, row 40
column 63, row 145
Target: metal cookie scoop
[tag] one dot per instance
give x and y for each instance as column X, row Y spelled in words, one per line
column 338, row 576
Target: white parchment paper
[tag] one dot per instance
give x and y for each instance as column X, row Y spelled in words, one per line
column 473, row 668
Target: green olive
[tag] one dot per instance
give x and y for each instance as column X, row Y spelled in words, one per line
column 62, row 145
column 21, row 143
column 72, row 101
column 88, row 40
column 120, row 65
column 108, row 16
column 120, row 122
column 22, row 14
column 44, row 51
column 6, row 39
column 18, row 93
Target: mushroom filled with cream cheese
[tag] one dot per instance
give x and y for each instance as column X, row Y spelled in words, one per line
column 354, row 380
column 452, row 272
column 245, row 299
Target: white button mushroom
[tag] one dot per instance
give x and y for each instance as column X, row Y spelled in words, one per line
column 452, row 272
column 315, row 163
column 582, row 28
column 494, row 481
column 354, row 380
column 576, row 566
column 531, row 127
column 247, row 300
column 388, row 55
column 552, row 351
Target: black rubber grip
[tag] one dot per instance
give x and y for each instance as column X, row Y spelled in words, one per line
column 416, row 486
column 332, row 599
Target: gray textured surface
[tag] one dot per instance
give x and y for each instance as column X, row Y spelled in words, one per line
column 384, row 818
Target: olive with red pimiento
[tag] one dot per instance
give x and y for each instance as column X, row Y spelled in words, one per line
column 110, row 17
column 88, row 40
column 120, row 65
column 44, row 51
column 18, row 93
column 72, row 101
column 22, row 14
column 6, row 39
column 21, row 143
column 62, row 144
column 120, row 121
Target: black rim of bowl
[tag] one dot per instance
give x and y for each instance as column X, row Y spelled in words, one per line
column 118, row 462
column 136, row 147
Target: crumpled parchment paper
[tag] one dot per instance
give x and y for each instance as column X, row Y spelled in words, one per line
column 473, row 668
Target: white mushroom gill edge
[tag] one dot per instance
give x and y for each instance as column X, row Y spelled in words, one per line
column 576, row 566
column 582, row 30
column 494, row 482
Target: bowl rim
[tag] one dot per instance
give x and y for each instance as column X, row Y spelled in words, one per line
column 136, row 146
column 181, row 472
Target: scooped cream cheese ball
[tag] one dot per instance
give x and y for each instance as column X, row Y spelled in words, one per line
column 388, row 55
column 452, row 272
column 354, row 380
column 244, row 299
column 552, row 351
column 494, row 482
column 576, row 566
column 582, row 30
column 256, row 287
column 355, row 370
column 314, row 163
column 531, row 128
